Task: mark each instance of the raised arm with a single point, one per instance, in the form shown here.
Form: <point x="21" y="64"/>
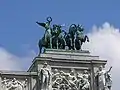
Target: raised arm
<point x="41" y="24"/>
<point x="109" y="69"/>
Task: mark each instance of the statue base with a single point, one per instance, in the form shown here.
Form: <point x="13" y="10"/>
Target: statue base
<point x="65" y="61"/>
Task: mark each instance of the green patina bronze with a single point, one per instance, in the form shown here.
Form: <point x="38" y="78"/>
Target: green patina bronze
<point x="56" y="38"/>
<point x="47" y="38"/>
<point x="80" y="37"/>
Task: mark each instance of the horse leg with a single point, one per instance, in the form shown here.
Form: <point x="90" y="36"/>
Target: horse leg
<point x="77" y="44"/>
<point x="74" y="44"/>
<point x="44" y="50"/>
<point x="50" y="42"/>
<point x="57" y="44"/>
<point x="70" y="42"/>
<point x="63" y="43"/>
<point x="40" y="47"/>
<point x="67" y="44"/>
<point x="80" y="44"/>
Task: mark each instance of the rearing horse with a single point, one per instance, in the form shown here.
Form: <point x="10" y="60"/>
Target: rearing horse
<point x="57" y="37"/>
<point x="71" y="35"/>
<point x="80" y="37"/>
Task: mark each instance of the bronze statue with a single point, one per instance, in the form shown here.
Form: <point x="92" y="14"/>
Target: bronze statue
<point x="56" y="38"/>
<point x="72" y="31"/>
<point x="80" y="37"/>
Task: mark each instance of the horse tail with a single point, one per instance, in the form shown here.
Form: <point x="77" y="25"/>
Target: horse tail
<point x="86" y="37"/>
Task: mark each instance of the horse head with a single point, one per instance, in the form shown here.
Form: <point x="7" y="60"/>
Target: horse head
<point x="80" y="27"/>
<point x="72" y="30"/>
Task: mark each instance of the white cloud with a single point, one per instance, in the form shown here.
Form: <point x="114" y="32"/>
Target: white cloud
<point x="9" y="61"/>
<point x="105" y="42"/>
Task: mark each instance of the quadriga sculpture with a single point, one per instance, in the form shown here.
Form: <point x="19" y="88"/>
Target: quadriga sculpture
<point x="56" y="38"/>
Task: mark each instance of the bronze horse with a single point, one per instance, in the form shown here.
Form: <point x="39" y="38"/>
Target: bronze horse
<point x="80" y="37"/>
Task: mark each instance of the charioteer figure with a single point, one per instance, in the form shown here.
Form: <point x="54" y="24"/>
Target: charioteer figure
<point x="44" y="77"/>
<point x="46" y="40"/>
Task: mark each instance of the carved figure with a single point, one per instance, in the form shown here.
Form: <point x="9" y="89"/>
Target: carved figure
<point x="72" y="79"/>
<point x="86" y="80"/>
<point x="108" y="79"/>
<point x="56" y="74"/>
<point x="64" y="84"/>
<point x="100" y="78"/>
<point x="85" y="83"/>
<point x="44" y="76"/>
<point x="5" y="83"/>
<point x="13" y="84"/>
<point x="86" y="75"/>
<point x="79" y="81"/>
<point x="56" y="79"/>
<point x="24" y="83"/>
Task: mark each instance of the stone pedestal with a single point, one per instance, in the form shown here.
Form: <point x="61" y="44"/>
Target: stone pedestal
<point x="66" y="60"/>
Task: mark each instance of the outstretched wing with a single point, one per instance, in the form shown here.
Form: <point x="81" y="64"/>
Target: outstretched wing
<point x="41" y="24"/>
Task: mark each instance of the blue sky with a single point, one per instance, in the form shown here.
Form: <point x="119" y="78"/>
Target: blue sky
<point x="19" y="32"/>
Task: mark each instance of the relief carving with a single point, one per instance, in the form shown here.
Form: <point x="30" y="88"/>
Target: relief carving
<point x="13" y="84"/>
<point x="70" y="81"/>
<point x="44" y="77"/>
